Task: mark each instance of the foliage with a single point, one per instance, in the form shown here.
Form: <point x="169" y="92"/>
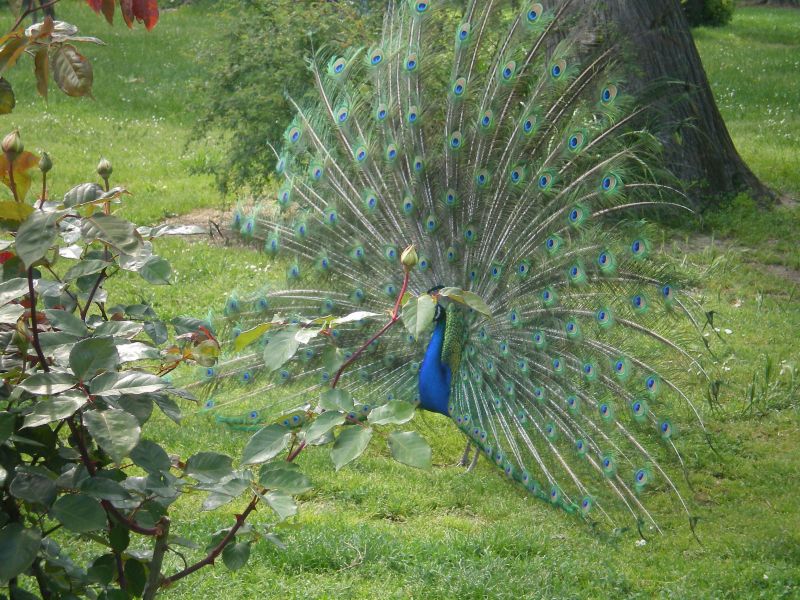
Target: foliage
<point x="258" y="62"/>
<point x="708" y="12"/>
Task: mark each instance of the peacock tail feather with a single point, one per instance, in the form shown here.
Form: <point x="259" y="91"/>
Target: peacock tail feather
<point x="503" y="146"/>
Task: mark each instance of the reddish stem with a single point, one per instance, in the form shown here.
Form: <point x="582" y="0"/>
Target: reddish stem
<point x="394" y="318"/>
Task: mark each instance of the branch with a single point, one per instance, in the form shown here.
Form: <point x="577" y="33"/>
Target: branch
<point x="31" y="10"/>
<point x="395" y="315"/>
<point x="212" y="556"/>
<point x="34" y="322"/>
<point x="161" y="547"/>
<point x="92" y="293"/>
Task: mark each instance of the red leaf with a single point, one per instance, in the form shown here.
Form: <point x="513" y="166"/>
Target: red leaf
<point x="108" y="10"/>
<point x="126" y="6"/>
<point x="95" y="5"/>
<point x="146" y="11"/>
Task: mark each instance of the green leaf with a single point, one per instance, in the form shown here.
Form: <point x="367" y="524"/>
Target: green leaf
<point x="394" y="412"/>
<point x="150" y="456"/>
<point x="126" y="329"/>
<point x="349" y="445"/>
<point x="265" y="444"/>
<point x="10" y="313"/>
<point x="209" y="467"/>
<point x="112" y="230"/>
<point x="470" y="299"/>
<point x="79" y="513"/>
<point x="83" y="193"/>
<point x="8" y="422"/>
<point x="128" y="382"/>
<point x="410" y="448"/>
<point x="282" y="504"/>
<point x="54" y="409"/>
<point x="426" y="310"/>
<point x="322" y="424"/>
<point x="136" y="576"/>
<point x="408" y="314"/>
<point x="48" y="383"/>
<point x="354" y="316"/>
<point x="282" y="346"/>
<point x="34" y="485"/>
<point x="104" y="488"/>
<point x="119" y="537"/>
<point x="169" y="407"/>
<point x="85" y="267"/>
<point x="18" y="548"/>
<point x="336" y="399"/>
<point x="235" y="555"/>
<point x="67" y="322"/>
<point x="13" y="289"/>
<point x="284" y="477"/>
<point x="332" y="359"/>
<point x="7" y="99"/>
<point x="156" y="271"/>
<point x="91" y="356"/>
<point x="246" y="338"/>
<point x="116" y="431"/>
<point x="35" y="236"/>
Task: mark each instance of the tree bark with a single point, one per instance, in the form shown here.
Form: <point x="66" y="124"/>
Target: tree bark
<point x="701" y="152"/>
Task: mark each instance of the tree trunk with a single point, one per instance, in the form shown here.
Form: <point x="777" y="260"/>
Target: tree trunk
<point x="701" y="153"/>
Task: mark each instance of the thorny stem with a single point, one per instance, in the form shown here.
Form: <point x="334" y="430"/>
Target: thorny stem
<point x="395" y="315"/>
<point x="212" y="556"/>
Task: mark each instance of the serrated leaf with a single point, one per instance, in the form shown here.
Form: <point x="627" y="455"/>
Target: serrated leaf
<point x="35" y="236"/>
<point x="332" y="359"/>
<point x="281" y="348"/>
<point x="169" y="407"/>
<point x="128" y="382"/>
<point x="265" y="444"/>
<point x="306" y="334"/>
<point x="91" y="356"/>
<point x="395" y="412"/>
<point x="103" y="488"/>
<point x="34" y="485"/>
<point x="112" y="230"/>
<point x="336" y="399"/>
<point x="79" y="513"/>
<point x="246" y="338"/>
<point x="11" y="313"/>
<point x="470" y="299"/>
<point x="284" y="477"/>
<point x="156" y="271"/>
<point x="322" y="424"/>
<point x="209" y="467"/>
<point x="14" y="212"/>
<point x="67" y="322"/>
<point x="150" y="456"/>
<point x="124" y="329"/>
<point x="116" y="431"/>
<point x="136" y="351"/>
<point x="48" y="383"/>
<point x="410" y="448"/>
<point x="72" y="71"/>
<point x="85" y="267"/>
<point x="13" y="289"/>
<point x="235" y="555"/>
<point x="54" y="409"/>
<point x="18" y="548"/>
<point x="282" y="504"/>
<point x="349" y="445"/>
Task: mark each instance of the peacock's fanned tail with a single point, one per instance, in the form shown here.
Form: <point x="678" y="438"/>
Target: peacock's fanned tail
<point x="504" y="147"/>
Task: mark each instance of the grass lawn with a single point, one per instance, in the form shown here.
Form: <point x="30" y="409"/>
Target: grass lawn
<point x="378" y="529"/>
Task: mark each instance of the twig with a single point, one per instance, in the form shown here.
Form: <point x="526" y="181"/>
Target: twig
<point x="31" y="10"/>
<point x="97" y="283"/>
<point x="34" y="323"/>
<point x="212" y="556"/>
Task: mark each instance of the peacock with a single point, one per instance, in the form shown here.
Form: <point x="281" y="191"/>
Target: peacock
<point x="461" y="221"/>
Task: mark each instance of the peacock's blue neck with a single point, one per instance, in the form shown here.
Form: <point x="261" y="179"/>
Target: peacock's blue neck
<point x="434" y="375"/>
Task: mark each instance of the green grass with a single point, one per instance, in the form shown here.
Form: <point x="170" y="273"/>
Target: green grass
<point x="378" y="529"/>
<point x="139" y="118"/>
<point x="753" y="66"/>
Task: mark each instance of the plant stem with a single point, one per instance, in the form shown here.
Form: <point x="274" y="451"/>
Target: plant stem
<point x="97" y="283"/>
<point x="30" y="11"/>
<point x="160" y="548"/>
<point x="34" y="323"/>
<point x="394" y="317"/>
<point x="212" y="556"/>
<point x="44" y="190"/>
<point x="11" y="183"/>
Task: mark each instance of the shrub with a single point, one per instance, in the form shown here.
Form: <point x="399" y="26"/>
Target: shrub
<point x="708" y="12"/>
